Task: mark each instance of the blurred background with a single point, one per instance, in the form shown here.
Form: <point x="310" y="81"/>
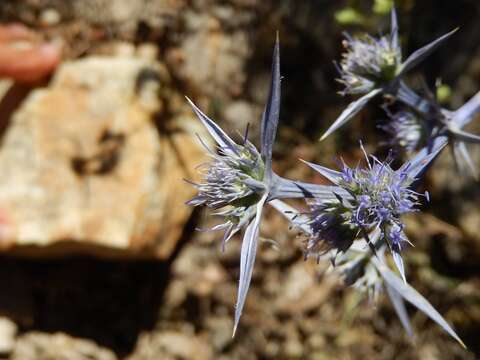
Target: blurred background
<point x="100" y="257"/>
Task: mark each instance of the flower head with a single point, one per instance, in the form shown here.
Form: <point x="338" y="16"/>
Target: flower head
<point x="239" y="181"/>
<point x="372" y="66"/>
<point x="231" y="179"/>
<point x="407" y="131"/>
<point x="373" y="199"/>
<point x="369" y="274"/>
<point x="379" y="194"/>
<point x="368" y="63"/>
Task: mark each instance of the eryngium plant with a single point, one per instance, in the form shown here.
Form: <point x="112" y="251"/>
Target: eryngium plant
<point x="368" y="63"/>
<point x="239" y="181"/>
<point x="372" y="66"/>
<point x="355" y="222"/>
<point x="374" y="199"/>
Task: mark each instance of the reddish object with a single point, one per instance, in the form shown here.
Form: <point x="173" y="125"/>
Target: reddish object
<point x="27" y="64"/>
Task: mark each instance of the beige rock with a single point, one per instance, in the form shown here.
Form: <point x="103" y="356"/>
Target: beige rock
<point x="59" y="346"/>
<point x="301" y="291"/>
<point x="103" y="11"/>
<point x="85" y="168"/>
<point x="50" y="17"/>
<point x="8" y="331"/>
<point x="172" y="345"/>
<point x="210" y="60"/>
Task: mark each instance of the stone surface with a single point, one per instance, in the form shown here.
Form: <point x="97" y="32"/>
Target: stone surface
<point x="59" y="346"/>
<point x="210" y="60"/>
<point x="171" y="345"/>
<point x="8" y="331"/>
<point x="91" y="163"/>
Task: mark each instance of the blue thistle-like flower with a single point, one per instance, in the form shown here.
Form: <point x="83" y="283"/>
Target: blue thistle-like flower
<point x="367" y="273"/>
<point x="373" y="66"/>
<point x="374" y="199"/>
<point x="240" y="181"/>
<point x="232" y="181"/>
<point x="413" y="131"/>
<point x="407" y="131"/>
<point x="232" y="178"/>
<point x="368" y="63"/>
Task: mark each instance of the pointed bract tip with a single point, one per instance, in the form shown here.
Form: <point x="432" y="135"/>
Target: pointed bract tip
<point x="192" y="104"/>
<point x="419" y="55"/>
<point x="324" y="136"/>
<point x="310" y="164"/>
<point x="393" y="18"/>
<point x="352" y="109"/>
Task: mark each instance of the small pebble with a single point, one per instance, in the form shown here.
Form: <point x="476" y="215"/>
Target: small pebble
<point x="50" y="17"/>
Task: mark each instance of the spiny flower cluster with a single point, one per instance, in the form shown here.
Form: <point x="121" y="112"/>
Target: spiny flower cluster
<point x="357" y="218"/>
<point x="368" y="62"/>
<point x="373" y="66"/>
<point x="380" y="195"/>
<point x="226" y="178"/>
<point x="406" y="131"/>
<point x="375" y="197"/>
<point x="240" y="181"/>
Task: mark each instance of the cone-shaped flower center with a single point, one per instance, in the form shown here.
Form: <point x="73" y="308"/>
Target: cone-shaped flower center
<point x="226" y="179"/>
<point x="367" y="63"/>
